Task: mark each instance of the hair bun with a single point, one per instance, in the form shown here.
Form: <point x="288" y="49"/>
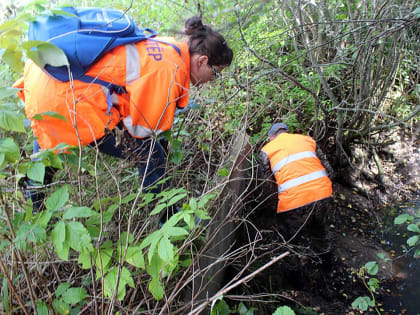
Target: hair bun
<point x="194" y="25"/>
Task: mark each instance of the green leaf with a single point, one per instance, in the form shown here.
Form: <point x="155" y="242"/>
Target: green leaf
<point x="372" y="267"/>
<point x="284" y="310"/>
<point x="62" y="288"/>
<point x="61" y="307"/>
<point x="172" y="231"/>
<point x="12" y="120"/>
<point x="158" y="208"/>
<point x="10" y="150"/>
<point x="58" y="199"/>
<point x="166" y="249"/>
<point x="402" y="218"/>
<point x="175" y="199"/>
<point x="41" y="308"/>
<point x="84" y="260"/>
<point x="156" y="288"/>
<point x="373" y="284"/>
<point x="362" y="303"/>
<point x="135" y="257"/>
<point x="5" y="296"/>
<point x="43" y="53"/>
<point x="103" y="260"/>
<point x="74" y="295"/>
<point x="36" y="172"/>
<point x="78" y="212"/>
<point x="78" y="237"/>
<point x="13" y="58"/>
<point x="223" y="172"/>
<point x="156" y="235"/>
<point x="413" y="228"/>
<point x="7" y="92"/>
<point x="416" y="12"/>
<point x="111" y="281"/>
<point x="52" y="114"/>
<point x="58" y="238"/>
<point x="413" y="240"/>
<point x="221" y="308"/>
<point x="43" y="218"/>
<point x="193" y="204"/>
<point x="31" y="233"/>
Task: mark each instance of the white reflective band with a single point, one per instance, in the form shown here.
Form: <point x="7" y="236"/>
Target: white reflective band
<point x="133" y="64"/>
<point x="301" y="180"/>
<point x="292" y="158"/>
<point x="137" y="130"/>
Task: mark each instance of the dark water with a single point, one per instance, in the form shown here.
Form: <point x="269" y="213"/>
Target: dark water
<point x="403" y="293"/>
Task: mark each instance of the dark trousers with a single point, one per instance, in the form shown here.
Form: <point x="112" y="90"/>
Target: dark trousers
<point x="148" y="154"/>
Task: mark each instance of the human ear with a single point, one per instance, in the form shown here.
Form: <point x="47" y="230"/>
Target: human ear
<point x="203" y="60"/>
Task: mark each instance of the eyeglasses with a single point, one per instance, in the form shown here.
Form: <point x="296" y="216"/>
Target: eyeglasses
<point x="216" y="74"/>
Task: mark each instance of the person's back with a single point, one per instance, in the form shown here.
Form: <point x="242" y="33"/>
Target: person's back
<point x="155" y="76"/>
<point x="292" y="171"/>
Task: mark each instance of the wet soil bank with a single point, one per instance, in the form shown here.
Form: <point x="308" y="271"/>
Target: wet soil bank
<point x="319" y="277"/>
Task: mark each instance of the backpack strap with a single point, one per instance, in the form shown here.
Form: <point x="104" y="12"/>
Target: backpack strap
<point x="112" y="88"/>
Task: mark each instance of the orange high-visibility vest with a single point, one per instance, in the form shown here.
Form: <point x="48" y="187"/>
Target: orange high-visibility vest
<point x="156" y="78"/>
<point x="300" y="175"/>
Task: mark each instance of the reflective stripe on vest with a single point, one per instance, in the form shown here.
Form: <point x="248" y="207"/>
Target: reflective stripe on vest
<point x="292" y="158"/>
<point x="139" y="131"/>
<point x="301" y="180"/>
<point x="133" y="64"/>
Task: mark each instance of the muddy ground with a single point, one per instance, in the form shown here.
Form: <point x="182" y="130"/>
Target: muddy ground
<point x="319" y="277"/>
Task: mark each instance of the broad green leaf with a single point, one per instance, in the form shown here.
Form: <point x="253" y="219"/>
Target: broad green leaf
<point x="155" y="266"/>
<point x="193" y="204"/>
<point x="31" y="233"/>
<point x="51" y="114"/>
<point x="362" y="303"/>
<point x="416" y="12"/>
<point x="74" y="295"/>
<point x="156" y="235"/>
<point x="373" y="283"/>
<point x="58" y="238"/>
<point x="78" y="212"/>
<point x="62" y="288"/>
<point x="2" y="158"/>
<point x="41" y="308"/>
<point x="158" y="208"/>
<point x="13" y="58"/>
<point x="7" y="92"/>
<point x="135" y="257"/>
<point x="103" y="260"/>
<point x="372" y="267"/>
<point x="166" y="249"/>
<point x="402" y="218"/>
<point x="173" y="231"/>
<point x="78" y="237"/>
<point x="413" y="240"/>
<point x="12" y="120"/>
<point x="111" y="281"/>
<point x="61" y="307"/>
<point x="223" y="172"/>
<point x="413" y="228"/>
<point x="10" y="150"/>
<point x="128" y="198"/>
<point x="221" y="308"/>
<point x="156" y="288"/>
<point x="43" y="218"/>
<point x="44" y="53"/>
<point x="36" y="172"/>
<point x="58" y="199"/>
<point x="175" y="199"/>
<point x="284" y="310"/>
<point x="84" y="259"/>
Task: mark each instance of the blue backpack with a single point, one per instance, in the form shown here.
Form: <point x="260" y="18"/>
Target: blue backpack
<point x="85" y="35"/>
